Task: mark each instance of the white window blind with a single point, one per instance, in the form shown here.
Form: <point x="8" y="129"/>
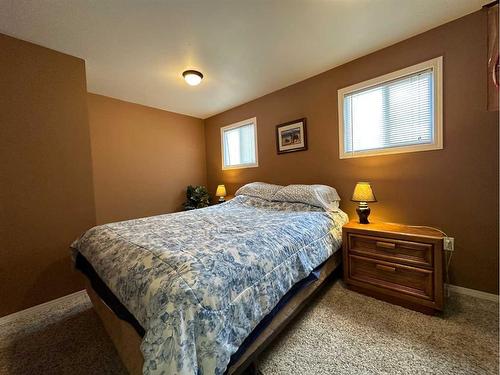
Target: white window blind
<point x="395" y="115"/>
<point x="239" y="145"/>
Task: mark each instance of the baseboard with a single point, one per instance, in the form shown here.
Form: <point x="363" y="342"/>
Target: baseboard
<point x="35" y="309"/>
<point x="472" y="292"/>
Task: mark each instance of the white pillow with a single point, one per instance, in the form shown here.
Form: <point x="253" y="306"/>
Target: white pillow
<point x="259" y="190"/>
<point x="315" y="195"/>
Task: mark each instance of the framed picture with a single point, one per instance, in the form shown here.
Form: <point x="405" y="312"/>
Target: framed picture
<point x="291" y="136"/>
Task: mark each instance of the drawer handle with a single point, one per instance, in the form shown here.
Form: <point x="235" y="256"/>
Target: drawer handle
<point x="386" y="245"/>
<point x="385" y="268"/>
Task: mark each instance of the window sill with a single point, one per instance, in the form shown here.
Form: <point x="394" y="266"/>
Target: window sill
<point x="398" y="150"/>
<point x="241" y="166"/>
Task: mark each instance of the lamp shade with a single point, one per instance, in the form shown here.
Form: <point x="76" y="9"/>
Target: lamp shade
<point x="363" y="193"/>
<point x="221" y="191"/>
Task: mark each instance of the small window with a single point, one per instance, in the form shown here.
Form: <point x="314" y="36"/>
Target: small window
<point x="239" y="145"/>
<point x="398" y="112"/>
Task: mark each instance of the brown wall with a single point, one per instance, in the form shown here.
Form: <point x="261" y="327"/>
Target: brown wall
<point x="455" y="189"/>
<point x="143" y="158"/>
<point x="46" y="197"/>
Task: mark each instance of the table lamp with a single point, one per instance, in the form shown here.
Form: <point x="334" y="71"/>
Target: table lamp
<point x="221" y="193"/>
<point x="363" y="194"/>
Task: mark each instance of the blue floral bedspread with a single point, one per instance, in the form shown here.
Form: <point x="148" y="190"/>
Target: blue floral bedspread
<point x="200" y="281"/>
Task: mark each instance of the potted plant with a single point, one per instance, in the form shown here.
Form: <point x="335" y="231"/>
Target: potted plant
<point x="197" y="197"/>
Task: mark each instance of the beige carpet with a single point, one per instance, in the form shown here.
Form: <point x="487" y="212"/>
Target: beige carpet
<point x="341" y="332"/>
<point x="344" y="332"/>
<point x="66" y="340"/>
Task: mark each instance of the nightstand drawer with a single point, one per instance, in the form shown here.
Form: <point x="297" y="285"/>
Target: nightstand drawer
<point x="411" y="253"/>
<point x="404" y="279"/>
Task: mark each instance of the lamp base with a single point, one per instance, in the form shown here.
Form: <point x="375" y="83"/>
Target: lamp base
<point x="221" y="199"/>
<point x="363" y="214"/>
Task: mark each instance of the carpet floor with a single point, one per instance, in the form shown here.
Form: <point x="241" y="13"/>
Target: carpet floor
<point x="340" y="332"/>
<point x="344" y="332"/>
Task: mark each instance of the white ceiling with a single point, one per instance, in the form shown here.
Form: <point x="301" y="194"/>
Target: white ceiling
<point x="136" y="50"/>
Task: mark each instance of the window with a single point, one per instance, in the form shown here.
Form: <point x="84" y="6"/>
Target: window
<point x="398" y="112"/>
<point x="239" y="145"/>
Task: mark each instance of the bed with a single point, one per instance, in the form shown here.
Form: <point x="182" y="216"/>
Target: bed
<point x="200" y="283"/>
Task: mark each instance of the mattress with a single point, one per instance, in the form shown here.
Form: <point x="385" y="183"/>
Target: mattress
<point x="199" y="282"/>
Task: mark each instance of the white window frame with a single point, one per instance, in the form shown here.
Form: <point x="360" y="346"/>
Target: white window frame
<point x="436" y="65"/>
<point x="239" y="124"/>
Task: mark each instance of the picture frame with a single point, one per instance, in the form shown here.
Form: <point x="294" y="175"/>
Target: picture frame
<point x="291" y="136"/>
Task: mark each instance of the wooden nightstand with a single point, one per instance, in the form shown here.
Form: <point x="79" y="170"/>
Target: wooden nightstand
<point x="397" y="263"/>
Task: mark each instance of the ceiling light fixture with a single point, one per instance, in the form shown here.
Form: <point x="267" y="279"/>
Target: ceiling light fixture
<point x="192" y="77"/>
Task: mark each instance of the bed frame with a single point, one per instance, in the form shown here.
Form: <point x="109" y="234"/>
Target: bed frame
<point x="127" y="341"/>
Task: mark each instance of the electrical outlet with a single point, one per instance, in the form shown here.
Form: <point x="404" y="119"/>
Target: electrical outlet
<point x="448" y="243"/>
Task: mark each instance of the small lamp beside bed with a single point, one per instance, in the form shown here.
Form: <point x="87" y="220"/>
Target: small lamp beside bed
<point x="363" y="194"/>
<point x="221" y="193"/>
